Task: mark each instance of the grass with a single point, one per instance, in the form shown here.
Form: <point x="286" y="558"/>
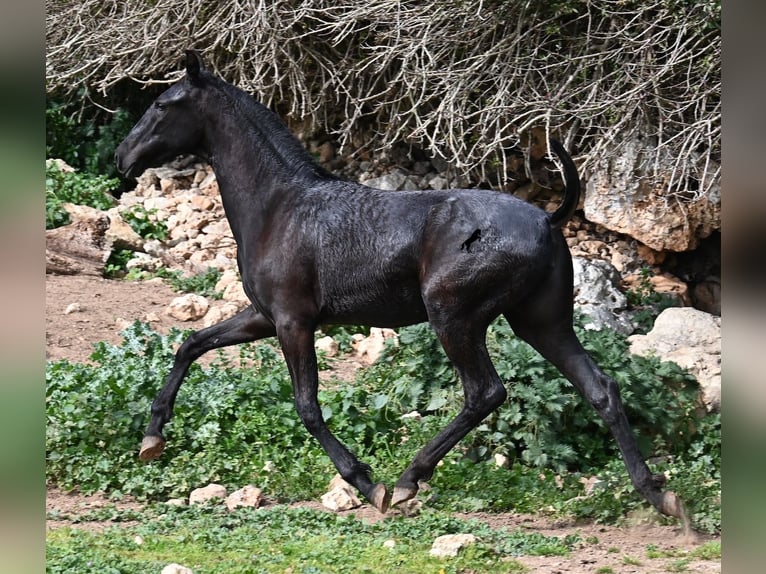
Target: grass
<point x="279" y="539"/>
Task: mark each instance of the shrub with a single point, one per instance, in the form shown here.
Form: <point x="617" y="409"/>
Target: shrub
<point x="203" y="283"/>
<point x="228" y="424"/>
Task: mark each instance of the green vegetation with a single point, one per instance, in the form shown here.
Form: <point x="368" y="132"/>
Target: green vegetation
<point x="72" y="187"/>
<point x="236" y="425"/>
<point x="145" y="222"/>
<point x="646" y="303"/>
<point x="277" y="539"/>
<point x="203" y="283"/>
<point x="84" y="135"/>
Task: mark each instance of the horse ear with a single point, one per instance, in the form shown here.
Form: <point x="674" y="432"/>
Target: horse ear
<point x="194" y="64"/>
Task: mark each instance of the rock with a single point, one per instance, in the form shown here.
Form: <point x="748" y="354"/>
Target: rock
<point x="62" y="166"/>
<point x="390" y="182"/>
<point x="220" y="313"/>
<point x="72" y="308"/>
<point x="691" y="339"/>
<point x="449" y="545"/>
<point x="341" y="496"/>
<point x="370" y="348"/>
<point x="207" y="493"/>
<point x="80" y="248"/>
<point x="328" y="345"/>
<point x="596" y="295"/>
<point x="246" y="496"/>
<point x="668" y="285"/>
<point x="174" y="568"/>
<point x="438" y="182"/>
<point x="235" y="293"/>
<point x="144" y="262"/>
<point x="176" y="502"/>
<point x="188" y="307"/>
<point x="621" y="196"/>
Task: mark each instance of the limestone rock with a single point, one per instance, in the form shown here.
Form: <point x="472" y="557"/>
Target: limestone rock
<point x="328" y="345"/>
<point x="246" y="496"/>
<point x="122" y="234"/>
<point x="390" y="182"/>
<point x="597" y="295"/>
<point x="691" y="339"/>
<point x="188" y="307"/>
<point x="207" y="493"/>
<point x="80" y="248"/>
<point x="370" y="348"/>
<point x="220" y="313"/>
<point x="449" y="545"/>
<point x="174" y="568"/>
<point x="341" y="496"/>
<point x="621" y="196"/>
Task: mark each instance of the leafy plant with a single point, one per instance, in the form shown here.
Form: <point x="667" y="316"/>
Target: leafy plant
<point x="645" y="303"/>
<point x="145" y="222"/>
<point x="203" y="283"/>
<point x="237" y="425"/>
<point x="72" y="187"/>
<point x="545" y="422"/>
<point x="228" y="422"/>
<point x="84" y="136"/>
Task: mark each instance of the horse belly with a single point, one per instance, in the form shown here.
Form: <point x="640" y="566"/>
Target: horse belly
<point x="376" y="304"/>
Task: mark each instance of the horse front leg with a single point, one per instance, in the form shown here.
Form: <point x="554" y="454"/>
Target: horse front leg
<point x="297" y="342"/>
<point x="246" y="326"/>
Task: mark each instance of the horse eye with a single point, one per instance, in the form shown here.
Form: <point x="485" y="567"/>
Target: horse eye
<point x="160" y="105"/>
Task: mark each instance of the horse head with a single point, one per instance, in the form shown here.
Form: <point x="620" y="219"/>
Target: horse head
<point x="170" y="127"/>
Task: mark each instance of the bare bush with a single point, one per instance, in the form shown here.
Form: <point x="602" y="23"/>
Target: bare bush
<point x="465" y="80"/>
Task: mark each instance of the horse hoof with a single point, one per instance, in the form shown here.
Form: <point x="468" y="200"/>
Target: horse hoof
<point x="402" y="494"/>
<point x="151" y="447"/>
<point x="671" y="505"/>
<point x="380" y="498"/>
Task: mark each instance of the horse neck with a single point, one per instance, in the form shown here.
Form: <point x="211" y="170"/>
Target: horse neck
<point x="253" y="167"/>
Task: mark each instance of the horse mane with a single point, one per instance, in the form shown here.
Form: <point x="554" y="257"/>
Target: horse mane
<point x="270" y="131"/>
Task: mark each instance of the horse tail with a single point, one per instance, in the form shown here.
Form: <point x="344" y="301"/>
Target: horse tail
<point x="571" y="186"/>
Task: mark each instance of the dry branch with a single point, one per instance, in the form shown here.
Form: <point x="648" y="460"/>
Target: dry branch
<point x="463" y="79"/>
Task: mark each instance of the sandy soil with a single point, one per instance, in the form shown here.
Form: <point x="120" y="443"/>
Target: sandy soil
<point x="81" y="311"/>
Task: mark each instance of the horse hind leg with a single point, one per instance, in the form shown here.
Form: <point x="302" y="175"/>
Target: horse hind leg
<point x="246" y="326"/>
<point x="483" y="393"/>
<point x="561" y="347"/>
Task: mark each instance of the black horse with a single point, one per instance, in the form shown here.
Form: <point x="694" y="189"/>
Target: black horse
<point x="314" y="249"/>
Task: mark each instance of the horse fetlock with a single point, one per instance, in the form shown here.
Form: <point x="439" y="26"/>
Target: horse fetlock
<point x="671" y="505"/>
<point x="659" y="480"/>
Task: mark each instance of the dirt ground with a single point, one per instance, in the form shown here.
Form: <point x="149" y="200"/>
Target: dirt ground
<point x="81" y="311"/>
